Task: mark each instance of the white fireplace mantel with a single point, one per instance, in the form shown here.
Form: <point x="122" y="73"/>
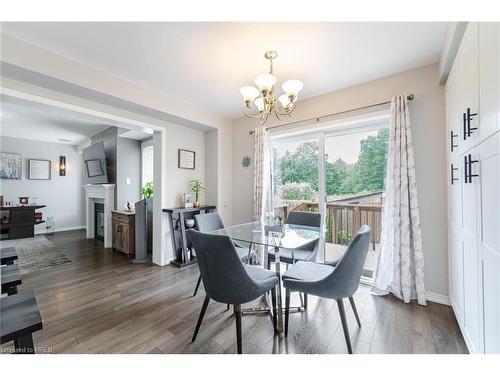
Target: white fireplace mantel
<point x="104" y="193"/>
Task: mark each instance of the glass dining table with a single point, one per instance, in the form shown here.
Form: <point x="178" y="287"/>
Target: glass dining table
<point x="287" y="236"/>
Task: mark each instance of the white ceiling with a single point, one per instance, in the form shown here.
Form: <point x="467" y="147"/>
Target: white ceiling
<point x="49" y="124"/>
<point x="205" y="64"/>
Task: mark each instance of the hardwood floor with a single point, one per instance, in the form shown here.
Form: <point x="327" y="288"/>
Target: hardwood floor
<point x="101" y="303"/>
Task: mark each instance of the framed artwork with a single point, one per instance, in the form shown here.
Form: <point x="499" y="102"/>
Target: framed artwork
<point x="11" y="166"/>
<point x="186" y="159"/>
<point x="94" y="167"/>
<point x="39" y="169"/>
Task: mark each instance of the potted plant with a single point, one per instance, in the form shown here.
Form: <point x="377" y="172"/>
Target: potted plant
<point x="147" y="190"/>
<point x="147" y="193"/>
<point x="197" y="187"/>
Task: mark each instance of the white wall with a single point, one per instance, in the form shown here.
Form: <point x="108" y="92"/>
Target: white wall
<point x="63" y="195"/>
<point x="177" y="178"/>
<point x="211" y="175"/>
<point x="427" y="114"/>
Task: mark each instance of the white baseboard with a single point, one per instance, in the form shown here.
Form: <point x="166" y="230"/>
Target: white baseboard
<point x="438" y="298"/>
<point x="64" y="229"/>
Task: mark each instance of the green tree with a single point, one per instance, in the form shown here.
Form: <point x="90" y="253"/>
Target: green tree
<point x="367" y="174"/>
<point x="301" y="165"/>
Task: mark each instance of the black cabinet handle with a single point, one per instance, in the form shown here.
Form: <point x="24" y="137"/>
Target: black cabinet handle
<point x="465" y="125"/>
<point x="468" y="168"/>
<point x="469" y="117"/>
<point x="452" y="169"/>
<point x="453" y="145"/>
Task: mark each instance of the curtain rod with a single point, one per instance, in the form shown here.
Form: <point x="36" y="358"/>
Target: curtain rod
<point x="318" y="119"/>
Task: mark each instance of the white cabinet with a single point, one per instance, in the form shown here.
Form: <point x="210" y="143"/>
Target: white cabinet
<point x="473" y="110"/>
<point x="469" y="106"/>
<point x="489" y="78"/>
<point x="489" y="238"/>
<point x="472" y="291"/>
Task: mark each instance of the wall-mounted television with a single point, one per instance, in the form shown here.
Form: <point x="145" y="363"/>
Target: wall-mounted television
<point x="94" y="168"/>
<point x="95" y="163"/>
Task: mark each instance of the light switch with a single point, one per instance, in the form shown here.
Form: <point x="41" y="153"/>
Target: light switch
<point x="128" y="180"/>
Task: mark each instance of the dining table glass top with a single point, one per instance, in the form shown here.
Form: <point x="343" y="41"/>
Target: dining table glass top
<point x="287" y="236"/>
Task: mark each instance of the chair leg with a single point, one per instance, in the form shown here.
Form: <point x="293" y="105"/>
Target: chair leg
<point x="305" y="301"/>
<point x="340" y="303"/>
<point x="355" y="311"/>
<point x="275" y="310"/>
<point x="237" y="311"/>
<point x="200" y="318"/>
<point x="197" y="286"/>
<point x="227" y="308"/>
<point x="287" y="309"/>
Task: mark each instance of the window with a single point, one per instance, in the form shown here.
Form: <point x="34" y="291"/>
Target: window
<point x="147" y="164"/>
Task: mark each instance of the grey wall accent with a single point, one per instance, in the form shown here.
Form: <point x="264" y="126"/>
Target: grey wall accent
<point x="128" y="165"/>
<point x="108" y="137"/>
<point x="63" y="195"/>
<point x="95" y="152"/>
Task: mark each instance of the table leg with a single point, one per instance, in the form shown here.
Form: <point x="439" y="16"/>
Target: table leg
<point x="278" y="295"/>
<point x="24" y="344"/>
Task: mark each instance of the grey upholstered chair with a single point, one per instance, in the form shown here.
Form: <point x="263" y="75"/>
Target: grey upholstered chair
<point x="326" y="281"/>
<point x="227" y="280"/>
<point x="210" y="222"/>
<point x="307" y="252"/>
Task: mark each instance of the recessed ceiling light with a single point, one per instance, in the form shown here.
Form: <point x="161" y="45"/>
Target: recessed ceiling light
<point x="63" y="140"/>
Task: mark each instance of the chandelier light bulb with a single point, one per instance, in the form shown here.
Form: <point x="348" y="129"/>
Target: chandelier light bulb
<point x="265" y="82"/>
<point x="292" y="87"/>
<point x="285" y="101"/>
<point x="259" y="102"/>
<point x="249" y="94"/>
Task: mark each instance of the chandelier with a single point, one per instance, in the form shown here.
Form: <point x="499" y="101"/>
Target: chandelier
<point x="263" y="100"/>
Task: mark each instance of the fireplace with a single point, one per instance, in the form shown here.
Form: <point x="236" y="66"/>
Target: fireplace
<point x="105" y="195"/>
<point x="99" y="221"/>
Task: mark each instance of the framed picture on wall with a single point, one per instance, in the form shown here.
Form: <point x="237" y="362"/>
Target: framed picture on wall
<point x="11" y="166"/>
<point x="186" y="159"/>
<point x="39" y="169"/>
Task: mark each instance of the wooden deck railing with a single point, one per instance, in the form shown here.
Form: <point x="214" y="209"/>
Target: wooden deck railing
<point x="344" y="219"/>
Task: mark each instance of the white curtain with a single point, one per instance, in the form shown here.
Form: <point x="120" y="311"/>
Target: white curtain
<point x="262" y="194"/>
<point x="400" y="268"/>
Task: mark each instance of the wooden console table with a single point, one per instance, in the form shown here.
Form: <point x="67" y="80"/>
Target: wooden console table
<point x="21" y="221"/>
<point x="180" y="241"/>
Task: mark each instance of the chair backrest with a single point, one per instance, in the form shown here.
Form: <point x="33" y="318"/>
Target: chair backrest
<point x="344" y="280"/>
<point x="224" y="277"/>
<point x="208" y="222"/>
<point x="310" y="219"/>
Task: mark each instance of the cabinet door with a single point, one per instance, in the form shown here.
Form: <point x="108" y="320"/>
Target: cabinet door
<point x="489" y="239"/>
<point x="468" y="60"/>
<point x="470" y="258"/>
<point x="456" y="260"/>
<point x="454" y="109"/>
<point x="489" y="78"/>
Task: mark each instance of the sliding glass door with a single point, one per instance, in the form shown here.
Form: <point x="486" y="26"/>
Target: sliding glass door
<point x="340" y="173"/>
<point x="355" y="167"/>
